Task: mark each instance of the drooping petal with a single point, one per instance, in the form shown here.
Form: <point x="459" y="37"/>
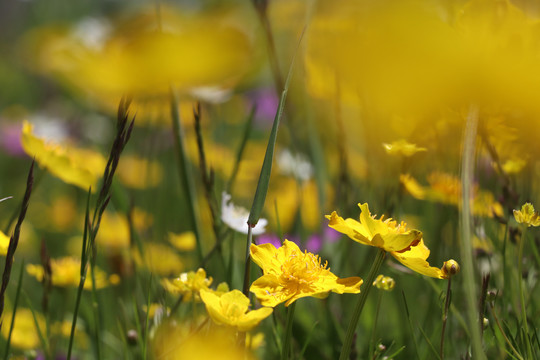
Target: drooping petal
<point x="416" y="259"/>
<point x="253" y="318"/>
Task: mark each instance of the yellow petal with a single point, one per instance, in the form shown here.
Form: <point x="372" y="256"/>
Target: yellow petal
<point x="264" y="255"/>
<point x="268" y="290"/>
<point x="253" y="318"/>
<point x="416" y="259"/>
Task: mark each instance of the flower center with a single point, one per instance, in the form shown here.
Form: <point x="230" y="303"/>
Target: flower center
<point x="301" y="270"/>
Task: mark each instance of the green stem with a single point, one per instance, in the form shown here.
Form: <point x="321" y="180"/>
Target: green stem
<point x="286" y="350"/>
<point x="347" y="344"/>
<point x="522" y="295"/>
<point x="467" y="166"/>
<point x="445" y="315"/>
<point x="247" y="269"/>
<point x="508" y="342"/>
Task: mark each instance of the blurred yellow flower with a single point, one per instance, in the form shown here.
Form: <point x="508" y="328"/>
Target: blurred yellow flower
<point x="25" y="335"/>
<point x="159" y="259"/>
<point x="513" y="166"/>
<point x="290" y="274"/>
<point x="188" y="284"/>
<point x="407" y="246"/>
<point x="79" y="167"/>
<point x="113" y="233"/>
<point x="184" y="242"/>
<point x="384" y="283"/>
<point x="402" y="147"/>
<point x="4" y="243"/>
<point x="527" y="215"/>
<point x="139" y="173"/>
<point x="174" y="342"/>
<point x="446" y="189"/>
<point x="66" y="273"/>
<point x="232" y="309"/>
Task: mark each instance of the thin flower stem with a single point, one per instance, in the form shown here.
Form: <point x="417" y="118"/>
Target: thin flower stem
<point x="286" y="350"/>
<point x="522" y="295"/>
<point x="467" y="167"/>
<point x="445" y="315"/>
<point x="347" y="344"/>
<point x="247" y="268"/>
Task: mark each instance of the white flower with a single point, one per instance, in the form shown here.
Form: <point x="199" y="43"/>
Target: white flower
<point x="236" y="217"/>
<point x="296" y="165"/>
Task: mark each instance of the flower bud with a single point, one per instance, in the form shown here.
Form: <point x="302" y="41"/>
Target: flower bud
<point x="384" y="283"/>
<point x="450" y="268"/>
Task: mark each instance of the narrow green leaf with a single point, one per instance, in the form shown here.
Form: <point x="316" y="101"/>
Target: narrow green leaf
<point x="12" y="324"/>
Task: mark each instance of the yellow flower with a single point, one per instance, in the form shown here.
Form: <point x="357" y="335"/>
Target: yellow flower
<point x="25" y="334"/>
<point x="232" y="309"/>
<point x="113" y="232"/>
<point x="4" y="243"/>
<point x="290" y="274"/>
<point x="407" y="246"/>
<point x="66" y="273"/>
<point x="139" y="173"/>
<point x="450" y="267"/>
<point x="527" y="215"/>
<point x="384" y="283"/>
<point x="184" y="242"/>
<point x="159" y="259"/>
<point x="188" y="284"/>
<point x="402" y="147"/>
<point x="79" y="167"/>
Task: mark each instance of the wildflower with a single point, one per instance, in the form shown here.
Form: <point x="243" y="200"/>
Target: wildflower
<point x="527" y="215"/>
<point x="402" y="147"/>
<point x="4" y="243"/>
<point x="296" y="165"/>
<point x="139" y="173"/>
<point x="159" y="259"/>
<point x="78" y="167"/>
<point x="407" y="246"/>
<point x="25" y="334"/>
<point x="384" y="283"/>
<point x="289" y="274"/>
<point x="450" y="267"/>
<point x="66" y="272"/>
<point x="236" y="217"/>
<point x="188" y="284"/>
<point x="184" y="242"/>
<point x="231" y="309"/>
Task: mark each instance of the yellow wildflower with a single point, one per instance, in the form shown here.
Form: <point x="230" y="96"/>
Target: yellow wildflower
<point x="407" y="246"/>
<point x="184" y="242"/>
<point x="25" y="335"/>
<point x="4" y="243"/>
<point x="232" y="309"/>
<point x="113" y="232"/>
<point x="384" y="283"/>
<point x="513" y="166"/>
<point x="79" y="167"/>
<point x="527" y="215"/>
<point x="290" y="274"/>
<point x="139" y="173"/>
<point x="159" y="259"/>
<point x="188" y="284"/>
<point x="402" y="147"/>
<point x="66" y="273"/>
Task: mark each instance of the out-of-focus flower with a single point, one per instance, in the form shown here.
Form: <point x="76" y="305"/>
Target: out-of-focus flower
<point x="159" y="259"/>
<point x="113" y="233"/>
<point x="25" y="334"/>
<point x="384" y="283"/>
<point x="254" y="341"/>
<point x="10" y="139"/>
<point x="527" y="215"/>
<point x="236" y="217"/>
<point x="174" y="342"/>
<point x="185" y="241"/>
<point x="66" y="272"/>
<point x="407" y="246"/>
<point x="138" y="173"/>
<point x="295" y="165"/>
<point x="144" y="56"/>
<point x="513" y="166"/>
<point x="266" y="102"/>
<point x="402" y="147"/>
<point x="188" y="284"/>
<point x="4" y="243"/>
<point x="269" y="239"/>
<point x="232" y="309"/>
<point x="290" y="274"/>
<point x="79" y="167"/>
<point x="157" y="310"/>
<point x="446" y="189"/>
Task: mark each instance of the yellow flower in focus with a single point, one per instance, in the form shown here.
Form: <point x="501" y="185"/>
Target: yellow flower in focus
<point x="159" y="259"/>
<point x="402" y="147"/>
<point x="527" y="215"/>
<point x="407" y="246"/>
<point x="384" y="283"/>
<point x="138" y="173"/>
<point x="4" y="243"/>
<point x="185" y="241"/>
<point x="232" y="309"/>
<point x="25" y="335"/>
<point x="174" y="342"/>
<point x="66" y="273"/>
<point x="290" y="274"/>
<point x="188" y="284"/>
<point x="78" y="167"/>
